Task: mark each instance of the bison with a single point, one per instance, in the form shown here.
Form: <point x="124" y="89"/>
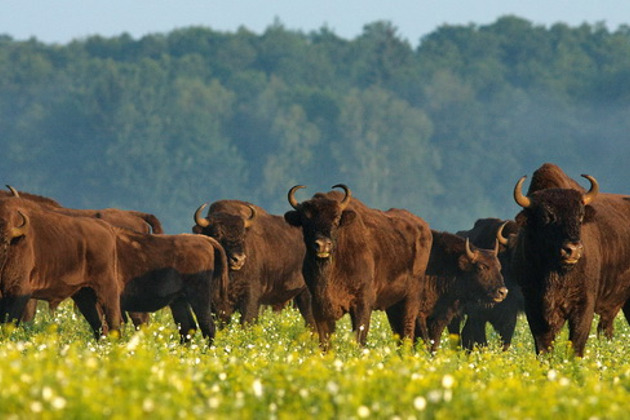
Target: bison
<point x="456" y="275"/>
<point x="265" y="255"/>
<point x="128" y="219"/>
<point x="50" y="256"/>
<point x="503" y="315"/>
<point x="571" y="259"/>
<point x="359" y="259"/>
<point x="180" y="271"/>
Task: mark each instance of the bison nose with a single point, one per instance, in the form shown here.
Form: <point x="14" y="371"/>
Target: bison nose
<point x="500" y="294"/>
<point x="236" y="261"/>
<point x="571" y="252"/>
<point x="323" y="247"/>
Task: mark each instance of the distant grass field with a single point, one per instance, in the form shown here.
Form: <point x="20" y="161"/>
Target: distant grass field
<point x="53" y="369"/>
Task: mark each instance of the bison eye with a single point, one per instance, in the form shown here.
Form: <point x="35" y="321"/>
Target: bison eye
<point x="482" y="267"/>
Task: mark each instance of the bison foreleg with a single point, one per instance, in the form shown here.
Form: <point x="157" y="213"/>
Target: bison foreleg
<point x="85" y="299"/>
<point x="304" y="305"/>
<point x="579" y="329"/>
<point x="360" y="316"/>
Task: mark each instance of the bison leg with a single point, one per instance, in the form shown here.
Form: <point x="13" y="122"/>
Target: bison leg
<point x="30" y="309"/>
<point x="360" y="316"/>
<point x="422" y="330"/>
<point x="303" y="303"/>
<point x="203" y="311"/>
<point x="85" y="299"/>
<point x="184" y="319"/>
<point x="474" y="331"/>
<point x="396" y="319"/>
<point x="505" y="324"/>
<point x="109" y="300"/>
<point x="12" y="308"/>
<point x="325" y="328"/>
<point x="249" y="309"/>
<point x="579" y="328"/>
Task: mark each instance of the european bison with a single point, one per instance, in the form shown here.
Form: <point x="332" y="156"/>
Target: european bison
<point x="456" y="275"/>
<point x="503" y="315"/>
<point x="572" y="260"/>
<point x="265" y="256"/>
<point x="50" y="256"/>
<point x="360" y="259"/>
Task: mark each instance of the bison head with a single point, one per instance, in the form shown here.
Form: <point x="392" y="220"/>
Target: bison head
<point x="320" y="219"/>
<point x="482" y="279"/>
<point x="229" y="230"/>
<point x="552" y="219"/>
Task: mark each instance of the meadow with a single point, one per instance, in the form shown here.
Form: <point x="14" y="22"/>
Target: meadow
<point x="53" y="369"/>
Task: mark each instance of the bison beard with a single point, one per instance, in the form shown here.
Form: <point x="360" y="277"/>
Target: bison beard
<point x="360" y="259"/>
<point x="572" y="260"/>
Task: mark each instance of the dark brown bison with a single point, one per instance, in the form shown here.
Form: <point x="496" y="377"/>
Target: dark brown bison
<point x="572" y="260"/>
<point x="50" y="256"/>
<point x="265" y="256"/>
<point x="457" y="275"/>
<point x="182" y="271"/>
<point x="503" y="315"/>
<point x="360" y="259"/>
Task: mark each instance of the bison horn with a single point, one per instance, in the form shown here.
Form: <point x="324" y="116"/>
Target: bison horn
<point x="199" y="219"/>
<point x="520" y="199"/>
<point x="291" y="196"/>
<point x="13" y="191"/>
<point x="500" y="238"/>
<point x="472" y="256"/>
<point x="18" y="231"/>
<point x="346" y="200"/>
<point x="592" y="193"/>
<point x="250" y="220"/>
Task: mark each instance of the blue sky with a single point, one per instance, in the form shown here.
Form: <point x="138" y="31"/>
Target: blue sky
<point x="59" y="21"/>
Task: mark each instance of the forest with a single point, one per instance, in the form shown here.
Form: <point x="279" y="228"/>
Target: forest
<point x="444" y="129"/>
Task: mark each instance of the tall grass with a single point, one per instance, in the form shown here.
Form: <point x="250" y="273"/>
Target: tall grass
<point x="274" y="369"/>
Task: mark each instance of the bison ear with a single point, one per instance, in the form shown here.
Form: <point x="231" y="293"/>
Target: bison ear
<point x="589" y="214"/>
<point x="347" y="217"/>
<point x="293" y="218"/>
<point x="521" y="219"/>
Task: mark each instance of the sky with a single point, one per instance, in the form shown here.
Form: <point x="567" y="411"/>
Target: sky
<point x="60" y="21"/>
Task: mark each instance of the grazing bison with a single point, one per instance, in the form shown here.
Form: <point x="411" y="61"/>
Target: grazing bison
<point x="503" y="315"/>
<point x="360" y="259"/>
<point x="572" y="260"/>
<point x="265" y="256"/>
<point x="456" y="276"/>
<point x="50" y="256"/>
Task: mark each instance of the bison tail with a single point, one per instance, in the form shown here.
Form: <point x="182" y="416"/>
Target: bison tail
<point x="221" y="269"/>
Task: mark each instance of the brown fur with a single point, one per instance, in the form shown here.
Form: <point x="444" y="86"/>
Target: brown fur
<point x="453" y="280"/>
<point x="179" y="271"/>
<point x="377" y="259"/>
<point x="503" y="315"/>
<point x="598" y="283"/>
<point x="56" y="256"/>
<point x="272" y="252"/>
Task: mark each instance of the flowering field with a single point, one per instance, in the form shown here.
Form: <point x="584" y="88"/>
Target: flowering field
<point x="54" y="369"/>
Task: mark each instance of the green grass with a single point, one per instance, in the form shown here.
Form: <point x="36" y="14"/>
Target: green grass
<point x="54" y="369"/>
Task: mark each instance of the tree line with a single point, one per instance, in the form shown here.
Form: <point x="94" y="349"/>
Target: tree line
<point x="168" y="121"/>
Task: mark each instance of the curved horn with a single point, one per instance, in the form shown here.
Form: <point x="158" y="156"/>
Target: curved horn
<point x="592" y="193"/>
<point x="520" y="199"/>
<point x="472" y="256"/>
<point x="13" y="191"/>
<point x="500" y="238"/>
<point x="291" y="197"/>
<point x="346" y="200"/>
<point x="250" y="220"/>
<point x="18" y="231"/>
<point x="199" y="219"/>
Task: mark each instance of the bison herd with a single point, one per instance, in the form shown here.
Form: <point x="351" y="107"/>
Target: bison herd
<point x="564" y="258"/>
